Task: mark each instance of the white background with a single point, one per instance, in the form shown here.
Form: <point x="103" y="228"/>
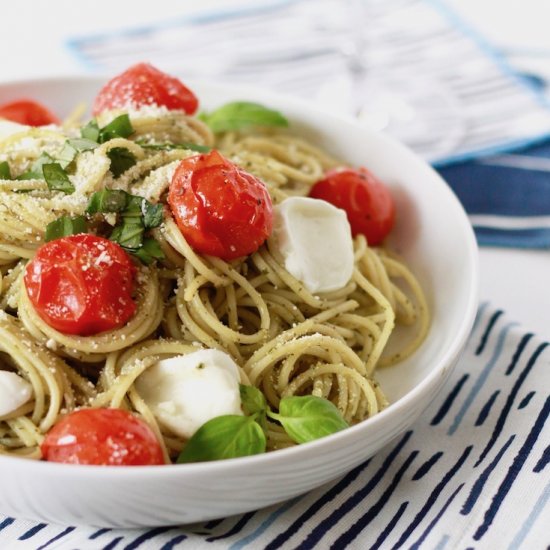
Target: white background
<point x="33" y="43"/>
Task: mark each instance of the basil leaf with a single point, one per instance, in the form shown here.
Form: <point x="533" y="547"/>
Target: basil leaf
<point x="90" y="131"/>
<point x="241" y="114"/>
<point x="170" y="146"/>
<point x="153" y="214"/>
<point x="82" y="144"/>
<point x="121" y="159"/>
<point x="118" y="127"/>
<point x="149" y="252"/>
<point x="228" y="436"/>
<point x="108" y="200"/>
<point x="128" y="235"/>
<point x="65" y="225"/>
<point x="5" y="172"/>
<point x="35" y="172"/>
<point x="57" y="178"/>
<point x="253" y="400"/>
<point x="66" y="156"/>
<point x="306" y="418"/>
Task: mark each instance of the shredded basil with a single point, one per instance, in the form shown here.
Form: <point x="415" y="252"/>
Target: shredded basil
<point x="121" y="159"/>
<point x="242" y="114"/>
<point x="90" y="131"/>
<point x="5" y="172"/>
<point x="64" y="226"/>
<point x="118" y="127"/>
<point x="35" y="172"/>
<point x="149" y="251"/>
<point x="57" y="178"/>
<point x="108" y="200"/>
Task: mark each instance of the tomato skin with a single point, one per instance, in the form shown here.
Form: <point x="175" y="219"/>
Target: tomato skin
<point x="366" y="200"/>
<point x="81" y="284"/>
<point x="142" y="84"/>
<point x="29" y="112"/>
<point x="102" y="437"/>
<point x="220" y="209"/>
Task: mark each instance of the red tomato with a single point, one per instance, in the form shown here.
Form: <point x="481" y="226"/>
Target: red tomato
<point x="366" y="200"/>
<point x="102" y="437"/>
<point x="81" y="284"/>
<point x="220" y="209"/>
<point x="143" y="84"/>
<point x="29" y="112"/>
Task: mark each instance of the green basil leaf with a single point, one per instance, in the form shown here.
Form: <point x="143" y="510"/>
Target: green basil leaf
<point x="64" y="226"/>
<point x="118" y="127"/>
<point x="121" y="159"/>
<point x="82" y="144"/>
<point x="306" y="418"/>
<point x="149" y="251"/>
<point x="170" y="146"/>
<point x="107" y="200"/>
<point x="90" y="131"/>
<point x="5" y="172"/>
<point x="228" y="436"/>
<point x="66" y="156"/>
<point x="35" y="172"/>
<point x="253" y="400"/>
<point x="128" y="235"/>
<point x="242" y="114"/>
<point x="153" y="214"/>
<point x="57" y="178"/>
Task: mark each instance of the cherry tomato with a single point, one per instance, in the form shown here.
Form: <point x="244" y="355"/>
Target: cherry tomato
<point x="220" y="209"/>
<point x="366" y="200"/>
<point x="81" y="284"/>
<point x="143" y="84"/>
<point x="102" y="437"/>
<point x="29" y="112"/>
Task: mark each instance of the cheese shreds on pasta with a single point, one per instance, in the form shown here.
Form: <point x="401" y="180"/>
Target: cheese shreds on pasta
<point x="285" y="340"/>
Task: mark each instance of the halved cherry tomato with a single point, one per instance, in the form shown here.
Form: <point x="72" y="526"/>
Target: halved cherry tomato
<point x="366" y="200"/>
<point x="81" y="284"/>
<point x="143" y="84"/>
<point x="29" y="112"/>
<point x="220" y="209"/>
<point x="102" y="437"/>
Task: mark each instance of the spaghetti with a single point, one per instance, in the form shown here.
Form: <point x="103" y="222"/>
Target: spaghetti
<point x="285" y="339"/>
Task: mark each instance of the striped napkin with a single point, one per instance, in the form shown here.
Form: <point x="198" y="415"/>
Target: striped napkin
<point x="472" y="472"/>
<point x="507" y="196"/>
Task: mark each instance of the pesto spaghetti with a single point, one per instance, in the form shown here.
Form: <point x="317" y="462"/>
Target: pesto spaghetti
<point x="242" y="298"/>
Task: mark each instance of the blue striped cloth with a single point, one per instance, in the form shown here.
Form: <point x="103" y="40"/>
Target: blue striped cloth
<point x="472" y="472"/>
<point x="507" y="196"/>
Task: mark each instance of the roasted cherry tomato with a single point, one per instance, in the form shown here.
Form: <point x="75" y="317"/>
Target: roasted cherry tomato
<point x="103" y="437"/>
<point x="220" y="209"/>
<point x="143" y="84"/>
<point x="29" y="112"/>
<point x="366" y="200"/>
<point x="81" y="284"/>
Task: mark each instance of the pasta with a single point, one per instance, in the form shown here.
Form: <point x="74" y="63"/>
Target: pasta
<point x="285" y="339"/>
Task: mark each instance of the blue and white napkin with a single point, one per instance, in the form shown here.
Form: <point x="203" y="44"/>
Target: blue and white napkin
<point x="472" y="472"/>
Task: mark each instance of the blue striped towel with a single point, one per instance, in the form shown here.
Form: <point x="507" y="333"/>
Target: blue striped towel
<point x="507" y="196"/>
<point x="472" y="472"/>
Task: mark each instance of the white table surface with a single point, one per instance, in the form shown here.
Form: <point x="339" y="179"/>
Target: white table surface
<point x="33" y="44"/>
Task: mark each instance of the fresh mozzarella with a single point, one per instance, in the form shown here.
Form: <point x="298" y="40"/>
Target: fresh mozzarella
<point x="186" y="391"/>
<point x="14" y="392"/>
<point x="8" y="128"/>
<point x="314" y="238"/>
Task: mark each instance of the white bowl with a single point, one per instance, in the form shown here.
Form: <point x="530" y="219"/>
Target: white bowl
<point x="432" y="233"/>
